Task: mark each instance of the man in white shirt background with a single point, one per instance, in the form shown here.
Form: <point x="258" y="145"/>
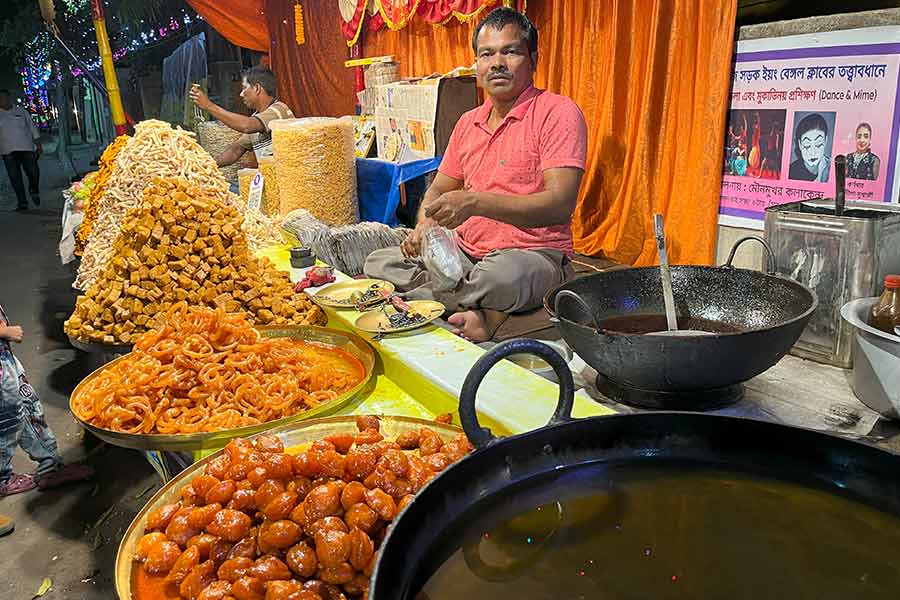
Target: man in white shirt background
<point x="20" y="145"/>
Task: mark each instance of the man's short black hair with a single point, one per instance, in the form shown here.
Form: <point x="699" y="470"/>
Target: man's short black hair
<point x="503" y="16"/>
<point x="263" y="77"/>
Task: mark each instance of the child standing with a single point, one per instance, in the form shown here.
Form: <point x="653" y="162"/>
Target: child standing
<point x="22" y="423"/>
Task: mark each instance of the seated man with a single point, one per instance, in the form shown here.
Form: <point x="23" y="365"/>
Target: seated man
<point x="508" y="184"/>
<point x="258" y="89"/>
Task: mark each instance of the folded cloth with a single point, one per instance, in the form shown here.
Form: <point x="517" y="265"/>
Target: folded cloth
<point x="315" y="277"/>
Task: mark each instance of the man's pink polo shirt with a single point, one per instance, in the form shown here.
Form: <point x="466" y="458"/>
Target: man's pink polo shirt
<point x="542" y="131"/>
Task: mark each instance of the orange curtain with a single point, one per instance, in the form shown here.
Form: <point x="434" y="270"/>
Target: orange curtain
<point x="312" y="79"/>
<point x="652" y="79"/>
<point x="241" y="22"/>
<point x="422" y="48"/>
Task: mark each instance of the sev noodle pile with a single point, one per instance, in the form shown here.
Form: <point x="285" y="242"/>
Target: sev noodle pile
<point x="271" y="200"/>
<point x="208" y="370"/>
<point x="261" y="231"/>
<point x="316" y="168"/>
<point x="105" y="169"/>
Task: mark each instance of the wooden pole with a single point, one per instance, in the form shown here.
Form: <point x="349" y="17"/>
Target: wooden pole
<point x="359" y="74"/>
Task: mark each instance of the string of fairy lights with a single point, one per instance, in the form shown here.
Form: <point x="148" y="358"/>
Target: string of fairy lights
<point x="129" y="41"/>
<point x="39" y="71"/>
<point x="36" y="73"/>
<point x="75" y="6"/>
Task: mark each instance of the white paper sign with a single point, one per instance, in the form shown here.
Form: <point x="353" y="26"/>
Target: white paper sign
<point x="254" y="198"/>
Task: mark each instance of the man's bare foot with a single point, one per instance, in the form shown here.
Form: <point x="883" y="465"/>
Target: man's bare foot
<point x="477" y="325"/>
<point x="470" y="325"/>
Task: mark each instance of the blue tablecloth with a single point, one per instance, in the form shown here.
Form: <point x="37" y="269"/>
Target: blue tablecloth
<point x="378" y="185"/>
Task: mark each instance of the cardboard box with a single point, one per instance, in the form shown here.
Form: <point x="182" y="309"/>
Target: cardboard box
<point x="414" y="120"/>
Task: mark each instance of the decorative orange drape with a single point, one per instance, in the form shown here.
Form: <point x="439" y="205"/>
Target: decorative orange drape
<point x="312" y="79"/>
<point x="422" y="49"/>
<point x="241" y="22"/>
<point x="652" y="79"/>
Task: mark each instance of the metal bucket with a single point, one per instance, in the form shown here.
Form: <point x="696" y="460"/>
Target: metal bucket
<point x="839" y="258"/>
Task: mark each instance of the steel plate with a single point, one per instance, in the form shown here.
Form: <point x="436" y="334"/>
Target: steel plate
<point x="378" y="321"/>
<point x="100" y="347"/>
<point x="337" y="295"/>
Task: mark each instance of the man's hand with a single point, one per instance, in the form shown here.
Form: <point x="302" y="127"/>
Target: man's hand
<point x="200" y="98"/>
<point x="12" y="333"/>
<point x="39" y="149"/>
<point x="452" y="209"/>
<point x="824" y="163"/>
<point x="412" y="245"/>
<point x="441" y="186"/>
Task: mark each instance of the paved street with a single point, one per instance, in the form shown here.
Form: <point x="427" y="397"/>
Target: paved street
<point x="57" y="533"/>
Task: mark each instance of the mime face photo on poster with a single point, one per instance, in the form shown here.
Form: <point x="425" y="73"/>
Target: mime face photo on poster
<point x="812" y="144"/>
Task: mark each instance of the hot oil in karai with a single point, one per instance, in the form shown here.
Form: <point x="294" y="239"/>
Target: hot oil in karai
<point x="641" y="324"/>
<point x="678" y="532"/>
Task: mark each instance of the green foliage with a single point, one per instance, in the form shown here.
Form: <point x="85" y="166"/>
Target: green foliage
<point x="131" y="12"/>
<point x="21" y="21"/>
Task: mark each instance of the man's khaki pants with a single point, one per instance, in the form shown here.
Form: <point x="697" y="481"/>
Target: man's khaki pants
<point x="508" y="281"/>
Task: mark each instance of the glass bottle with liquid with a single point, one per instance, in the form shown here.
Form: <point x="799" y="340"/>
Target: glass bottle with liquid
<point x="886" y="312"/>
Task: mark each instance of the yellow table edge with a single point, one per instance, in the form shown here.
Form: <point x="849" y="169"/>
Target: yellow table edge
<point x="428" y="365"/>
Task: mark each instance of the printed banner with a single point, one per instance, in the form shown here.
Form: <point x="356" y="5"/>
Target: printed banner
<point x="799" y="101"/>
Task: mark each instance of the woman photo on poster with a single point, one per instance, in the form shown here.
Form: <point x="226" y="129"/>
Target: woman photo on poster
<point x="735" y="143"/>
<point x="771" y="162"/>
<point x="812" y="148"/>
<point x="863" y="164"/>
<point x="754" y="158"/>
<point x="754" y="143"/>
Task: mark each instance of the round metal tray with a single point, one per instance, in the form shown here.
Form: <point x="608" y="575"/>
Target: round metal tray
<point x="100" y="347"/>
<point x="337" y="295"/>
<point x="378" y="320"/>
<point x="294" y="436"/>
<point x="189" y="442"/>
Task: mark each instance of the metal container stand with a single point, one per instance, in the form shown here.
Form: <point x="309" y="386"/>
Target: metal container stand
<point x="840" y="258"/>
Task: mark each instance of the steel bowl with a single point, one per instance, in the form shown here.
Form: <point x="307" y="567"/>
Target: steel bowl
<point x="875" y="378"/>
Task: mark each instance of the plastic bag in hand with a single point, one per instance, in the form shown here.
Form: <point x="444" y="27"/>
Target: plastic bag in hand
<point x="441" y="257"/>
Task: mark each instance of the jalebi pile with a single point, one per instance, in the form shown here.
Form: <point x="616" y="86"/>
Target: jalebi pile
<point x="107" y="161"/>
<point x="208" y="370"/>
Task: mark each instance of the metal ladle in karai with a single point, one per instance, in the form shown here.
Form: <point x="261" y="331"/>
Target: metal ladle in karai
<point x="666" y="276"/>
